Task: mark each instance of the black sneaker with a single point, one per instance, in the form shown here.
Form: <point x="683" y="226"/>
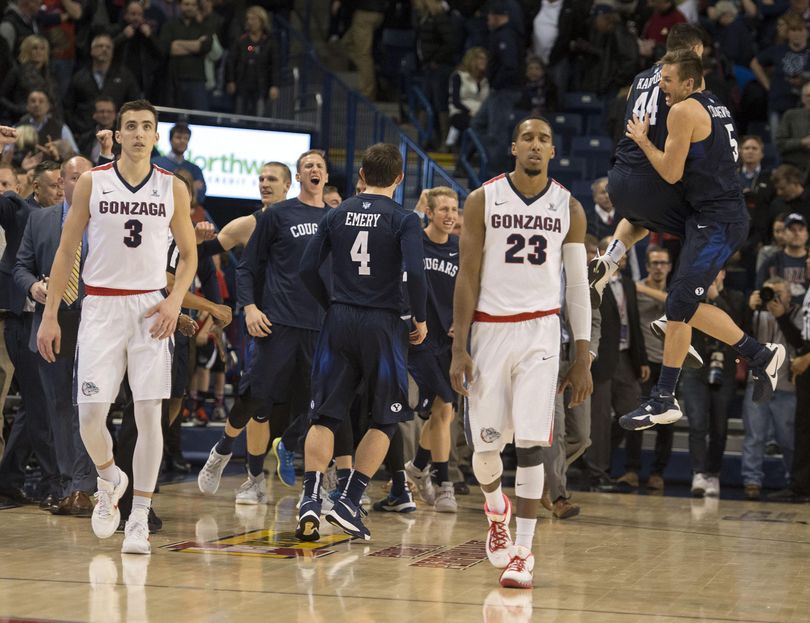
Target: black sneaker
<point x="600" y="270"/>
<point x="309" y="520"/>
<point x="765" y="371"/>
<point x="660" y="408"/>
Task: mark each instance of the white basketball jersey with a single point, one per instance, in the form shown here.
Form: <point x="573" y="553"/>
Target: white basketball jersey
<point x="128" y="233"/>
<point x="522" y="265"/>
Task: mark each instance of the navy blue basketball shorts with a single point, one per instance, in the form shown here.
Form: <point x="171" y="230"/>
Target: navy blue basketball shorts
<point x="278" y="363"/>
<point x="645" y="199"/>
<point x="430" y="370"/>
<point x="208" y="357"/>
<point x="707" y="247"/>
<point x="180" y="366"/>
<point x="361" y="351"/>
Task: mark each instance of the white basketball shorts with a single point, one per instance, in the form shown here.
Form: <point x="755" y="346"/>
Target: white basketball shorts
<point x="514" y="383"/>
<point x="114" y="339"/>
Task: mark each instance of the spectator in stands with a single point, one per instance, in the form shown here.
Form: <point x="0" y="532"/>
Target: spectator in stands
<point x="802" y="9"/>
<point x="252" y="68"/>
<point x="505" y="73"/>
<point x="620" y="365"/>
<point x="101" y="78"/>
<point x="609" y="58"/>
<point x="19" y="22"/>
<point x="791" y="195"/>
<point x="731" y="34"/>
<point x="654" y="34"/>
<point x="359" y="40"/>
<point x="540" y="92"/>
<point x="137" y="46"/>
<point x="179" y="137"/>
<point x="437" y="48"/>
<point x="331" y="196"/>
<point x="778" y="241"/>
<point x="766" y="16"/>
<point x="33" y="73"/>
<point x="791" y="263"/>
<point x="758" y="192"/>
<point x="62" y="16"/>
<point x="651" y="296"/>
<point x="790" y="63"/>
<point x="706" y="394"/>
<point x="469" y="88"/>
<point x="104" y="111"/>
<point x="556" y="25"/>
<point x="780" y="410"/>
<point x="602" y="219"/>
<point x="50" y="129"/>
<point x="793" y="136"/>
<point x="186" y="42"/>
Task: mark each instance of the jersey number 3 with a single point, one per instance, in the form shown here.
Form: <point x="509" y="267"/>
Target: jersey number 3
<point x="359" y="253"/>
<point x="135" y="227"/>
<point x="518" y="242"/>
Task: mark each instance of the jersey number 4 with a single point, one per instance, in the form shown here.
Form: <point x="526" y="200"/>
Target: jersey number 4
<point x="359" y="253"/>
<point x="647" y="104"/>
<point x="135" y="227"/>
<point x="537" y="243"/>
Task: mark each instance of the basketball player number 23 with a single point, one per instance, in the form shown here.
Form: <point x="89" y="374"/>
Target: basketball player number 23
<point x="135" y="227"/>
<point x="537" y="243"/>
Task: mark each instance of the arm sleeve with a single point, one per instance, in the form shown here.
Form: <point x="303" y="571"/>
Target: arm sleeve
<point x="413" y="257"/>
<point x="315" y="254"/>
<point x="209" y="248"/>
<point x="577" y="294"/>
<point x="251" y="269"/>
<point x="25" y="269"/>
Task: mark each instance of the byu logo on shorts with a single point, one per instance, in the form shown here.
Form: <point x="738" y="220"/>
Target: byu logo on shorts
<point x="89" y="389"/>
<point x="311" y="404"/>
<point x="396" y="407"/>
<point x="490" y="435"/>
<point x="699" y="291"/>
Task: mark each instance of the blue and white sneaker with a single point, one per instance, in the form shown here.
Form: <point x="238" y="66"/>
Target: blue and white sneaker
<point x="349" y="518"/>
<point x="660" y="408"/>
<point x="309" y="520"/>
<point x="402" y="503"/>
<point x="765" y="372"/>
<point x="284" y="463"/>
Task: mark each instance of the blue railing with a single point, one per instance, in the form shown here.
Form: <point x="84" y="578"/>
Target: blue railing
<point x="347" y="123"/>
<point x="471" y="144"/>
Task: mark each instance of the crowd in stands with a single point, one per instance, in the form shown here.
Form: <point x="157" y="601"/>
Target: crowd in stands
<point x="68" y="65"/>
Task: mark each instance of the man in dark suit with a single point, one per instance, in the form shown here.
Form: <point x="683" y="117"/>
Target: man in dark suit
<point x="34" y="259"/>
<point x="617" y="371"/>
<point x="31" y="429"/>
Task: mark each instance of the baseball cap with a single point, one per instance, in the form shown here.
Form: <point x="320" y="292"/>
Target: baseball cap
<point x="497" y="7"/>
<point x="794" y="218"/>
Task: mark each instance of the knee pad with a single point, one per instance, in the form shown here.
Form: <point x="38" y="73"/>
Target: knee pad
<point x="529" y="481"/>
<point x="244" y="409"/>
<point x="388" y="429"/>
<point x="487" y="466"/>
<point x="261" y="416"/>
<point x="529" y="457"/>
<point x="682" y="302"/>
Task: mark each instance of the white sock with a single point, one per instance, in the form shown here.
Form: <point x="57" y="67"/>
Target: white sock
<point x="524" y="534"/>
<point x="495" y="501"/>
<point x="140" y="506"/>
<point x="616" y="251"/>
<point x="149" y="447"/>
<point x="109" y="473"/>
<point x="452" y="136"/>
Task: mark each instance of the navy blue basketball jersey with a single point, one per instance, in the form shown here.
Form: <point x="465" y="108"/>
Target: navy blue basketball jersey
<point x="267" y="275"/>
<point x="710" y="178"/>
<point x="371" y="239"/>
<point x="441" y="268"/>
<point x="646" y="98"/>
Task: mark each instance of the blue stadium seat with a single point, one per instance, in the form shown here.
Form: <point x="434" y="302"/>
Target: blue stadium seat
<point x="596" y="150"/>
<point x="581" y="188"/>
<point x="567" y="170"/>
<point x="567" y="125"/>
<point x="583" y="102"/>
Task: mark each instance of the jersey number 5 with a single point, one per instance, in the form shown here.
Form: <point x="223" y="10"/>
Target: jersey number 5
<point x="359" y="253"/>
<point x="647" y="104"/>
<point x="518" y="242"/>
<point x="135" y="228"/>
<point x="732" y="141"/>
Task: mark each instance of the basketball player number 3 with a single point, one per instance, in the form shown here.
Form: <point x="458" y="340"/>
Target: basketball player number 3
<point x="537" y="243"/>
<point x="135" y="228"/>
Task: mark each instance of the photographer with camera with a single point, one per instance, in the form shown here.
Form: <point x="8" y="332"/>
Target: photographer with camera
<point x="707" y="393"/>
<point x="770" y="308"/>
<point x="791" y="263"/>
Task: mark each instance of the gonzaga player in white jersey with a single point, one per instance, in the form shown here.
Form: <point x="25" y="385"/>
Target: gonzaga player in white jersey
<point x="129" y="209"/>
<point x="520" y="231"/>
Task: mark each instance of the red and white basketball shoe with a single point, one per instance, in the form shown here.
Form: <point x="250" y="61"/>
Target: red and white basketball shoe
<point x="518" y="573"/>
<point x="499" y="541"/>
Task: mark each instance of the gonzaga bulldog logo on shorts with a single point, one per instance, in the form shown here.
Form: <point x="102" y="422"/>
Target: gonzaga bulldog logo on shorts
<point x="490" y="435"/>
<point x="89" y="389"/>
